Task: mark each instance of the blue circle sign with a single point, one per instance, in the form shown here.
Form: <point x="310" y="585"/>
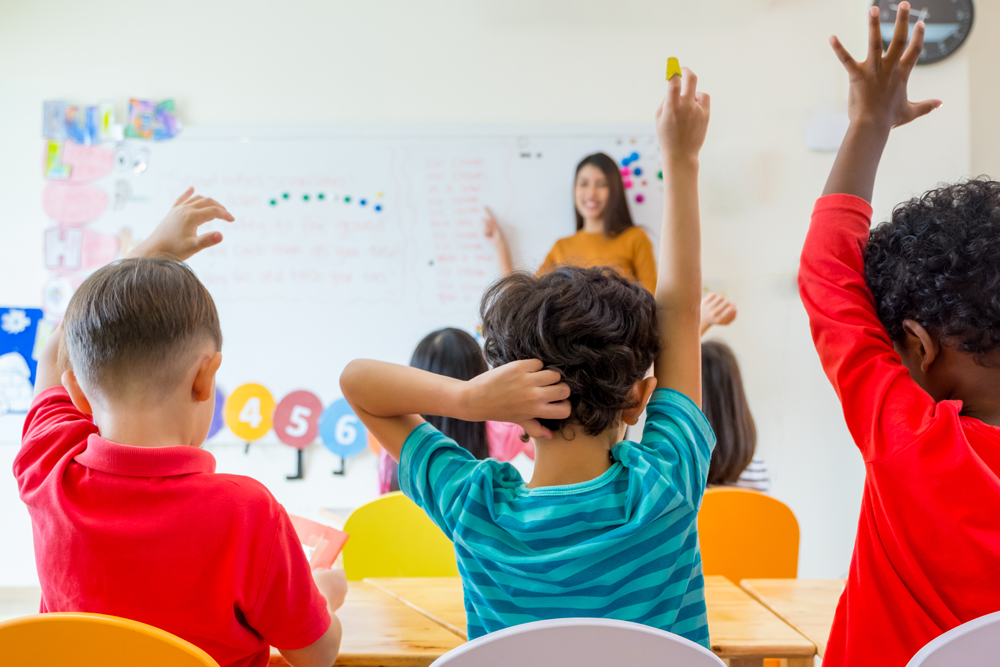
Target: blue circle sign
<point x="341" y="431"/>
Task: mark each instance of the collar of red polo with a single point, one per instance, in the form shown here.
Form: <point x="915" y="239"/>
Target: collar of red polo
<point x="114" y="459"/>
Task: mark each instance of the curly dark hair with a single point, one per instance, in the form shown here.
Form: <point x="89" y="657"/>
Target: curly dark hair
<point x="937" y="262"/>
<point x="595" y="327"/>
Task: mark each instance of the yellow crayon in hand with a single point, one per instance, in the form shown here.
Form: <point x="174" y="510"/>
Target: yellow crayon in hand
<point x="673" y="67"/>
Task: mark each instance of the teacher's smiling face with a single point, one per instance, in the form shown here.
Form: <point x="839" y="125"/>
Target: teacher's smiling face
<point x="591" y="197"/>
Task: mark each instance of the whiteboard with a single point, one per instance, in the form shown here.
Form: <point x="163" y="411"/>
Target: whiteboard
<point x="358" y="242"/>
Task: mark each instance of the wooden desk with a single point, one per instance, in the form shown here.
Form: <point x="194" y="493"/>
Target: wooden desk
<point x="379" y="631"/>
<point x="808" y="605"/>
<point x="742" y="631"/>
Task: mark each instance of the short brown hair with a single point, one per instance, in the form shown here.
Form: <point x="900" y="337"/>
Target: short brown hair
<point x="133" y="324"/>
<point x="725" y="406"/>
<point x="595" y="327"/>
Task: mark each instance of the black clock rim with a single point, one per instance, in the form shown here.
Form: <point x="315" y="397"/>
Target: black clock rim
<point x="937" y="59"/>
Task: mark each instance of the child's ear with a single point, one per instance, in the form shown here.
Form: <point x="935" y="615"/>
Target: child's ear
<point x="641" y="390"/>
<point x="204" y="381"/>
<point x="920" y="343"/>
<point x="76" y="393"/>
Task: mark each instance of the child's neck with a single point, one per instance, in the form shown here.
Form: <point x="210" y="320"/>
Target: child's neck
<point x="581" y="458"/>
<point x="165" y="424"/>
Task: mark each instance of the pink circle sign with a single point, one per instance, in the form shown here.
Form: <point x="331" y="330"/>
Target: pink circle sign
<point x="296" y="419"/>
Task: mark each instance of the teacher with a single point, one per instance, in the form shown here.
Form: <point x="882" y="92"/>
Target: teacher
<point x="605" y="236"/>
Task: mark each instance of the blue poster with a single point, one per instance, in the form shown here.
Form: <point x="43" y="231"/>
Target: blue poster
<point x="18" y="332"/>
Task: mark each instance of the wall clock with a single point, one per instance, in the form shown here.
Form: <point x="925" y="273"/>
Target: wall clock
<point x="948" y="25"/>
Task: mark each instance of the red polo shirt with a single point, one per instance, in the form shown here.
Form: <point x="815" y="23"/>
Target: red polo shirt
<point x="155" y="535"/>
<point x="926" y="555"/>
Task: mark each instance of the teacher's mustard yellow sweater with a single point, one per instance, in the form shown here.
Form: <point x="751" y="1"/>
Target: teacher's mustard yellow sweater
<point x="630" y="253"/>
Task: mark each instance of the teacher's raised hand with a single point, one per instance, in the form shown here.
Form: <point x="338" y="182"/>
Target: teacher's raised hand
<point x="494" y="234"/>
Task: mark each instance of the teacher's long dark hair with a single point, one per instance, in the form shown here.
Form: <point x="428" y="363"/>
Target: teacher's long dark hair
<point x="455" y="354"/>
<point x="616" y="214"/>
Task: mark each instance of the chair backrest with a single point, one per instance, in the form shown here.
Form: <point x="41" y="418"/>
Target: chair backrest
<point x="579" y="642"/>
<point x="974" y="643"/>
<point x="747" y="535"/>
<point x="392" y="537"/>
<point x="94" y="640"/>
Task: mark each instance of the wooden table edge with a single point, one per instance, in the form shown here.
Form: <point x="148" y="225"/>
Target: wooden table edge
<point x="759" y="597"/>
<point x="444" y="624"/>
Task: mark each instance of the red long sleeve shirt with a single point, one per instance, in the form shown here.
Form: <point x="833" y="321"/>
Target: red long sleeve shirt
<point x="927" y="553"/>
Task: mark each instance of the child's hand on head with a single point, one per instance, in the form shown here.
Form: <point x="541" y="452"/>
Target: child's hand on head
<point x="333" y="585"/>
<point x="716" y="310"/>
<point x="878" y="85"/>
<point x="177" y="234"/>
<point x="682" y="118"/>
<point x="521" y="393"/>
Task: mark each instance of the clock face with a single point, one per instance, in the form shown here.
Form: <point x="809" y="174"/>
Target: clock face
<point x="948" y="24"/>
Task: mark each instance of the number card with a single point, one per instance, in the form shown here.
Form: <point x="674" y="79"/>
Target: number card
<point x="341" y="431"/>
<point x="296" y="419"/>
<point x="218" y="416"/>
<point x="249" y="411"/>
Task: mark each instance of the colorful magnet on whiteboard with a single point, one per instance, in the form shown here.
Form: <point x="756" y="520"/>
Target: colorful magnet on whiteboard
<point x="363" y="202"/>
<point x="633" y="157"/>
<point x="284" y="196"/>
<point x="378" y="194"/>
<point x="341" y="431"/>
<point x="218" y="416"/>
<point x="305" y="197"/>
<point x="645" y="182"/>
<point x="639" y="199"/>
<point x="249" y="412"/>
<point x="627" y="183"/>
<point x="274" y="202"/>
<point x="625" y="171"/>
<point x="626" y="162"/>
<point x="637" y="171"/>
<point x="659" y="175"/>
<point x="320" y="196"/>
<point x="296" y="419"/>
<point x="378" y="207"/>
<point x="347" y="200"/>
<point x="673" y="67"/>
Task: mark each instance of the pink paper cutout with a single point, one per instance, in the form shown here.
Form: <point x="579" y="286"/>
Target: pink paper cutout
<point x="88" y="163"/>
<point x="74" y="205"/>
<point x="321" y="543"/>
<point x="71" y="249"/>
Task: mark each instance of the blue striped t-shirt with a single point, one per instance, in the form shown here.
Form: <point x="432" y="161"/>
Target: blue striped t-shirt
<point x="622" y="546"/>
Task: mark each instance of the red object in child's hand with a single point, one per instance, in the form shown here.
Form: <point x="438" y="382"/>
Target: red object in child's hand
<point x="321" y="543"/>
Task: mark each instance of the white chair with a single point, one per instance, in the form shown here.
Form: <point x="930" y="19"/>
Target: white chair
<point x="579" y="642"/>
<point x="974" y="643"/>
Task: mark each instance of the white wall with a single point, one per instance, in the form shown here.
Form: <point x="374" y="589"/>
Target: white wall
<point x="766" y="63"/>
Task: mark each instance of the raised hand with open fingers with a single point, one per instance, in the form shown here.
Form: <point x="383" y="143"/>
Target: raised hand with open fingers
<point x="878" y="85"/>
<point x="177" y="234"/>
<point x="716" y="310"/>
<point x="682" y="118"/>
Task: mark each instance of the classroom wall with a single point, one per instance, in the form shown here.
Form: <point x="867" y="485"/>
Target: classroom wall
<point x="765" y="62"/>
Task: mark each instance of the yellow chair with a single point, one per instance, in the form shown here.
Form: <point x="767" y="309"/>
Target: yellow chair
<point x="94" y="640"/>
<point x="747" y="535"/>
<point x="392" y="537"/>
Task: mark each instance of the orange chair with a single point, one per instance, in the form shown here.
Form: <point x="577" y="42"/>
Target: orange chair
<point x="747" y="535"/>
<point x="94" y="640"/>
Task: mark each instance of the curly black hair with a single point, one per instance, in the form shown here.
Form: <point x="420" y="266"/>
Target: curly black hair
<point x="595" y="327"/>
<point x="937" y="262"/>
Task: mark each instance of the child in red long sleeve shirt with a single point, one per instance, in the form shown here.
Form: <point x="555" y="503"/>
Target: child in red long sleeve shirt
<point x="907" y="325"/>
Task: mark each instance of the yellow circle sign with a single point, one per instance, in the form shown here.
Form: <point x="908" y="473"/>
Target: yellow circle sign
<point x="249" y="412"/>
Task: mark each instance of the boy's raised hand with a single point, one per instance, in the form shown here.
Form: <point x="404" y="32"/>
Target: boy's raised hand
<point x="878" y="85"/>
<point x="521" y="392"/>
<point x="682" y="118"/>
<point x="877" y="102"/>
<point x="177" y="234"/>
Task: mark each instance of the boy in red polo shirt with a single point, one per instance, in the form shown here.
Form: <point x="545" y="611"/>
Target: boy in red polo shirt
<point x="907" y="324"/>
<point x="129" y="517"/>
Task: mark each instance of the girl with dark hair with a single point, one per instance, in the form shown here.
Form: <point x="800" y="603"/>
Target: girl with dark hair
<point x="725" y="405"/>
<point x="605" y="236"/>
<point x="456" y="354"/>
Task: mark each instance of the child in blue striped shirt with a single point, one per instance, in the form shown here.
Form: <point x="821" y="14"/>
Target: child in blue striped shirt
<point x="605" y="527"/>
